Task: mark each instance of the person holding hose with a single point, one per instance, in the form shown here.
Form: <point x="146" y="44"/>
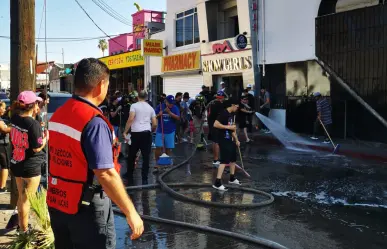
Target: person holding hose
<point x="228" y="142"/>
<point x="83" y="174"/>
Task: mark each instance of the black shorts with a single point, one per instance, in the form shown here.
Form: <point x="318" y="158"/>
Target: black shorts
<point x="92" y="227"/>
<point x="5" y="153"/>
<point x="27" y="170"/>
<point x="228" y="152"/>
<point x="213" y="134"/>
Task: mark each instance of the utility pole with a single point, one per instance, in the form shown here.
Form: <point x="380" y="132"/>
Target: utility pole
<point x="254" y="13"/>
<point x="22" y="56"/>
<point x="63" y="58"/>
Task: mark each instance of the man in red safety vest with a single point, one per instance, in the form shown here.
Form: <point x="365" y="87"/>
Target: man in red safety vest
<point x="83" y="167"/>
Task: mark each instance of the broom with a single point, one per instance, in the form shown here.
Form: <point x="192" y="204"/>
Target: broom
<point x="335" y="147"/>
<point x="240" y="155"/>
<point x="164" y="159"/>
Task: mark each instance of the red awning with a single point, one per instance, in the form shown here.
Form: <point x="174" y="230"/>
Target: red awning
<point x="42" y="67"/>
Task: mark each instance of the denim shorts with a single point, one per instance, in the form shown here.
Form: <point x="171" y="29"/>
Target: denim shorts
<point x="169" y="140"/>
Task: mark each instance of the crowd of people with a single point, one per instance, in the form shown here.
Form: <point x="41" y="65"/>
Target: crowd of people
<point x="84" y="174"/>
<point x="180" y="118"/>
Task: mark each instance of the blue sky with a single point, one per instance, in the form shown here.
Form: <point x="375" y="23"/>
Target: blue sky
<point x="66" y="19"/>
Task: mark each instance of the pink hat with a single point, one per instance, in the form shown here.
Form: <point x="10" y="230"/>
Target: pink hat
<point x="28" y="97"/>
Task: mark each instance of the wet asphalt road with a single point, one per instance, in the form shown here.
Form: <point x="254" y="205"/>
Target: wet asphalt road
<point x="322" y="201"/>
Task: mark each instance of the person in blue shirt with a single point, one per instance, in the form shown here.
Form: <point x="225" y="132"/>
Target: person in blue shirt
<point x="167" y="115"/>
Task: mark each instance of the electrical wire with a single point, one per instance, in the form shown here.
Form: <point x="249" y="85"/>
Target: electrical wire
<point x="111" y="12"/>
<point x="97" y="24"/>
<point x="66" y="39"/>
<point x="41" y="21"/>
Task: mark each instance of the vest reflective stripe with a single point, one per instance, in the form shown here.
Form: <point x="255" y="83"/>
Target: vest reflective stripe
<point x="68" y="167"/>
<point x="65" y="130"/>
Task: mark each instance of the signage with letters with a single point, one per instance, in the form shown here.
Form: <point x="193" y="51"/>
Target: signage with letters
<point x="226" y="47"/>
<point x="218" y="48"/>
<point x="152" y="47"/>
<point x="181" y="62"/>
<point x="228" y="64"/>
<point x="124" y="60"/>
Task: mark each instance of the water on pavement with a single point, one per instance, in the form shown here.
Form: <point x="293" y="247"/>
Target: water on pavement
<point x="322" y="201"/>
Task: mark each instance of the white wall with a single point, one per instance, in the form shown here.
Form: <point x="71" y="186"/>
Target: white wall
<point x="173" y="7"/>
<point x="289" y="30"/>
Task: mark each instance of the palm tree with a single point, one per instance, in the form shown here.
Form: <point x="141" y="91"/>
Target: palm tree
<point x="102" y="45"/>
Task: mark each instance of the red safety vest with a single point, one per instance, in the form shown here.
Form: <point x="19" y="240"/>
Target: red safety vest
<point x="68" y="168"/>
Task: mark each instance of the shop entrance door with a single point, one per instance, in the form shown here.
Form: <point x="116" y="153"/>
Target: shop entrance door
<point x="234" y="86"/>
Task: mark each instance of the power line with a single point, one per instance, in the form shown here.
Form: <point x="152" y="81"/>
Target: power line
<point x="41" y="21"/>
<point x="111" y="12"/>
<point x="97" y="24"/>
<point x="74" y="39"/>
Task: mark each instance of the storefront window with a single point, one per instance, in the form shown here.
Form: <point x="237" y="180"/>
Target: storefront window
<point x="187" y="28"/>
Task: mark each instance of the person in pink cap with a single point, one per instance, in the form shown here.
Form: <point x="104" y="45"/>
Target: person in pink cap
<point x="27" y="157"/>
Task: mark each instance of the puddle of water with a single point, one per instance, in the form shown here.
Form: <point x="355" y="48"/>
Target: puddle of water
<point x="324" y="198"/>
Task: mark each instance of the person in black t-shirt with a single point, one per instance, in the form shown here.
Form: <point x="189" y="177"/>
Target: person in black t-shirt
<point x="228" y="142"/>
<point x="27" y="157"/>
<point x="215" y="108"/>
<point x="245" y="117"/>
<point x="115" y="114"/>
<point x="198" y="109"/>
<point x="4" y="148"/>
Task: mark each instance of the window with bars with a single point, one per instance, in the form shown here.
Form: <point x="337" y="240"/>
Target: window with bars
<point x="187" y="28"/>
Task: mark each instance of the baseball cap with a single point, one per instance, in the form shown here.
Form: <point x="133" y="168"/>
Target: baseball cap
<point x="220" y="94"/>
<point x="222" y="83"/>
<point x="316" y="94"/>
<point x="249" y="86"/>
<point x="170" y="99"/>
<point x="28" y="97"/>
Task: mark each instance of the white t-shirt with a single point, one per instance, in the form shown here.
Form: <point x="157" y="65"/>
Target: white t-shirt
<point x="143" y="119"/>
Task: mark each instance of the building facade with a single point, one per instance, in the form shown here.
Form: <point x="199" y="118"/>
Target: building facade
<point x="125" y="59"/>
<point x="206" y="42"/>
<point x="343" y="34"/>
<point x="225" y="44"/>
<point x="5" y="77"/>
<point x="179" y="70"/>
<point x="132" y="41"/>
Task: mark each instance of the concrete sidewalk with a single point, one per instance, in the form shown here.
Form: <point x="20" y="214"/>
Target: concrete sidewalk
<point x="5" y="213"/>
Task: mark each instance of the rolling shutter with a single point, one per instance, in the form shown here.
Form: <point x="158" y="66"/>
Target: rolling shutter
<point x="188" y="83"/>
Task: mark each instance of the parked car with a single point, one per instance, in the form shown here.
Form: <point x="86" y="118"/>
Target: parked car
<point x="56" y="101"/>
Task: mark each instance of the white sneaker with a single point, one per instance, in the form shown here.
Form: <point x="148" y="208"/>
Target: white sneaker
<point x="326" y="142"/>
<point x="235" y="182"/>
<point x="314" y="138"/>
<point x="268" y="132"/>
<point x="221" y="188"/>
